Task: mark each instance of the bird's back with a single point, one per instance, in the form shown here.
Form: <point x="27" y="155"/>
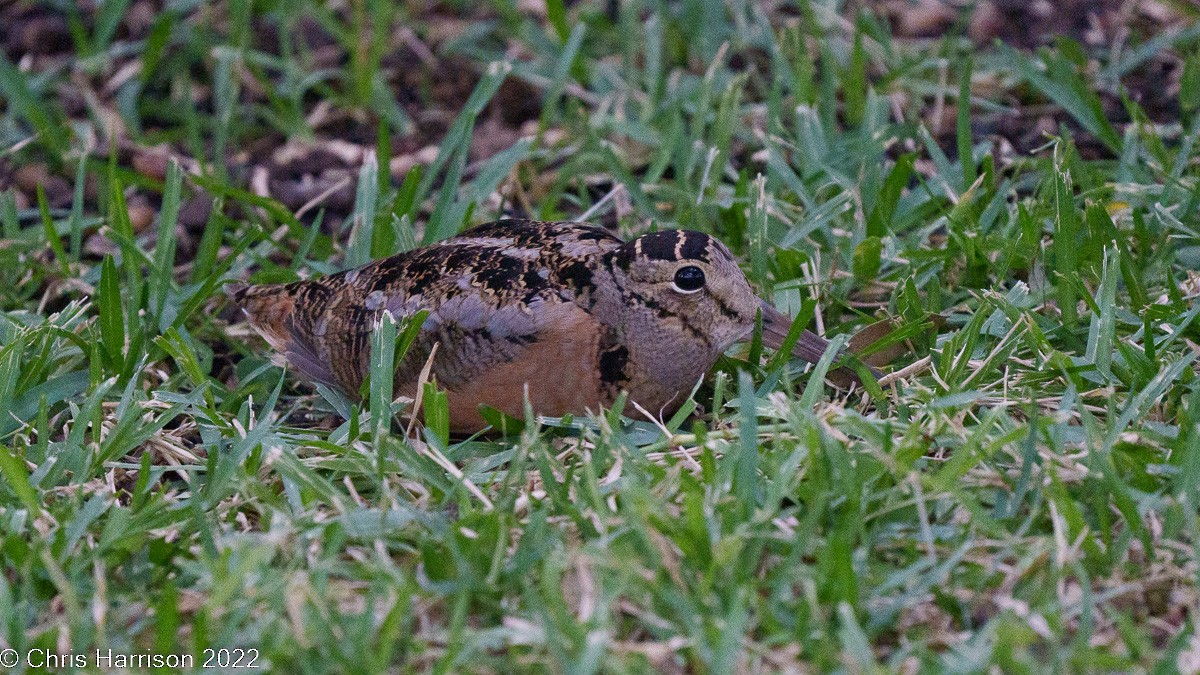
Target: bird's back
<point x="490" y="292"/>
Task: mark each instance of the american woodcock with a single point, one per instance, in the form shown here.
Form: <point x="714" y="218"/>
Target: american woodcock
<point x="565" y="308"/>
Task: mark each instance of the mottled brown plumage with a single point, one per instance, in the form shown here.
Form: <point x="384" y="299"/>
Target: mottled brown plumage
<point x="565" y="308"/>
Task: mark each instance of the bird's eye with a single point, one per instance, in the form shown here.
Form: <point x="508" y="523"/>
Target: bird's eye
<point x="689" y="279"/>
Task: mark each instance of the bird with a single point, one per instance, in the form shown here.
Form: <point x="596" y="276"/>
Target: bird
<point x="564" y="313"/>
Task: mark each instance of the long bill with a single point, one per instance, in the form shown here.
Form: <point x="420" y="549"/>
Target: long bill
<point x="775" y="326"/>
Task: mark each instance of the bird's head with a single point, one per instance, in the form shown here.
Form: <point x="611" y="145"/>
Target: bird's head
<point x="689" y="281"/>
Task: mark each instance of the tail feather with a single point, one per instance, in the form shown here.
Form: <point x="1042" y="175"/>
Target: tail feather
<point x="271" y="311"/>
<point x="268" y="308"/>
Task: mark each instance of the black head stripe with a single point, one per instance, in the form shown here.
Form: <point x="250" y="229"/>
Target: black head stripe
<point x="674" y="245"/>
<point x="694" y="246"/>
